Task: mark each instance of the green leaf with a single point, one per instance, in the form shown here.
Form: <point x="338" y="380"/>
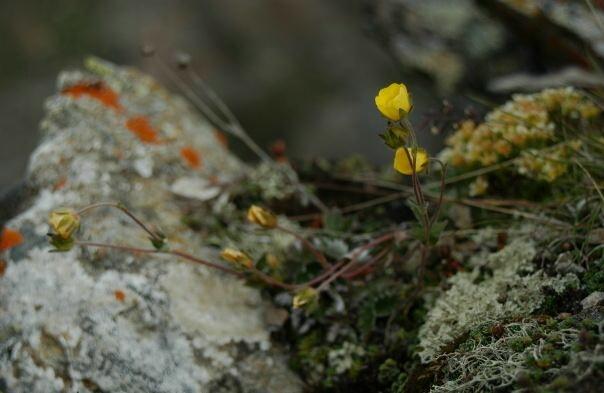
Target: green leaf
<point x="399" y="132"/>
<point x="159" y="241"/>
<point x="419" y="211"/>
<point x="395" y="136"/>
<point x="60" y="244"/>
<point x="417" y="232"/>
<point x="436" y="229"/>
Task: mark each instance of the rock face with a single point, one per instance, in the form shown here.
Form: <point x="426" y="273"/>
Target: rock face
<point x="93" y="320"/>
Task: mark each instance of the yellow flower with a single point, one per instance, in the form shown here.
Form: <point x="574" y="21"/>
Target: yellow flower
<point x="237" y="257"/>
<point x="392" y="99"/>
<point x="273" y="261"/>
<point x="304" y="297"/>
<point x="262" y="217"/>
<point x="479" y="186"/>
<point x="402" y="163"/>
<point x="64" y="222"/>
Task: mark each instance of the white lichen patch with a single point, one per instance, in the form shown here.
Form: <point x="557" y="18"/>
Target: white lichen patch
<point x="342" y="359"/>
<point x="104" y="320"/>
<point x="505" y="285"/>
<point x="213" y="307"/>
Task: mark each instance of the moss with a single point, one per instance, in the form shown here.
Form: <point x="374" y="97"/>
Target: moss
<point x="399" y="385"/>
<point x="593" y="279"/>
<point x="519" y="344"/>
<point x="388" y="372"/>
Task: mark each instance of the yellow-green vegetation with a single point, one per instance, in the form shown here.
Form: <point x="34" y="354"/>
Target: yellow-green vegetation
<point x="536" y="136"/>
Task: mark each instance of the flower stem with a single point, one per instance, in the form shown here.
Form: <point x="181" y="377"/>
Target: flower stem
<point x="318" y="254"/>
<point x="176" y="253"/>
<point x="124" y="210"/>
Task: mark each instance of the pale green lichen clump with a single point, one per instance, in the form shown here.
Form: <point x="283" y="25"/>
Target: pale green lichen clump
<point x="494" y="363"/>
<point x="512" y="288"/>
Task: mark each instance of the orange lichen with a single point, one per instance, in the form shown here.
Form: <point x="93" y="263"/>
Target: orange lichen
<point x="191" y="157"/>
<point x="278" y="150"/>
<point x="10" y="238"/>
<point x="60" y="184"/>
<point x="2" y="267"/>
<point x="221" y="138"/>
<point x="98" y="91"/>
<point x="120" y="296"/>
<point x="141" y="127"/>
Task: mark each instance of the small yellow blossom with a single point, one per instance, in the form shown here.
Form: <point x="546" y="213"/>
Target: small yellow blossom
<point x="306" y="296"/>
<point x="401" y="160"/>
<point x="64" y="222"/>
<point x="392" y="99"/>
<point x="236" y="257"/>
<point x="262" y="217"/>
<point x="273" y="261"/>
<point x="479" y="186"/>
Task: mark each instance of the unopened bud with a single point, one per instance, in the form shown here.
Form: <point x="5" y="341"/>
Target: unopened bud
<point x="237" y="257"/>
<point x="262" y="217"/>
<point x="306" y="296"/>
<point x="64" y="222"/>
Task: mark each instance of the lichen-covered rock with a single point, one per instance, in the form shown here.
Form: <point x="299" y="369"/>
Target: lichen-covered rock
<point x="93" y="320"/>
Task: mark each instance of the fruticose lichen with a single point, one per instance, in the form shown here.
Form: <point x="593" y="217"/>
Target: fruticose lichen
<point x="505" y="284"/>
<point x="528" y="355"/>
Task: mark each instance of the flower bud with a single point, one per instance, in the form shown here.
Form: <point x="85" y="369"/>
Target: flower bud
<point x="261" y="217"/>
<point x="273" y="261"/>
<point x="306" y="296"/>
<point x="236" y="257"/>
<point x="64" y="222"/>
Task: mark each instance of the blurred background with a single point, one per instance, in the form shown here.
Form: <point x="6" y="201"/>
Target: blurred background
<point x="302" y="71"/>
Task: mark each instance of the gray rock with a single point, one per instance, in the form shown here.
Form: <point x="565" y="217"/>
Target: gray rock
<point x="593" y="300"/>
<point x="94" y="320"/>
<point x="565" y="264"/>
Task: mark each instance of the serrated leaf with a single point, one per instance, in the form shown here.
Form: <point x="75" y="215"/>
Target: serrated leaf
<point x="417" y="232"/>
<point x="418" y="211"/>
<point x="436" y="229"/>
<point x="395" y="137"/>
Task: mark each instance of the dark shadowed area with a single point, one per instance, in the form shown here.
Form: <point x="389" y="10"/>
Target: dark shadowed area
<point x="301" y="71"/>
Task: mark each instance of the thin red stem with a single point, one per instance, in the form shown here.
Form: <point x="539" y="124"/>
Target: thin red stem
<point x="177" y="253"/>
<point x="318" y="254"/>
<point x="124" y="210"/>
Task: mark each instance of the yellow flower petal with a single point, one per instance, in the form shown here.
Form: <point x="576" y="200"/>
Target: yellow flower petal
<point x="392" y="99"/>
<point x="401" y="160"/>
<point x="262" y="217"/>
<point x="64" y="222"/>
<point x="236" y="257"/>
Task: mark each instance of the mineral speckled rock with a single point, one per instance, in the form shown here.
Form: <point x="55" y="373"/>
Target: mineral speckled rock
<point x="93" y="320"/>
